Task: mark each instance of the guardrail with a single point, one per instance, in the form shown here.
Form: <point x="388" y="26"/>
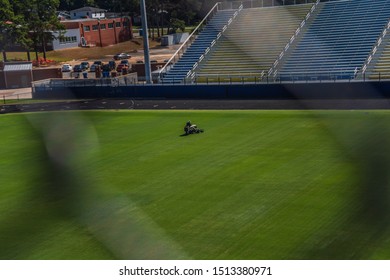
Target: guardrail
<point x="374" y="50"/>
<point x="191" y="73"/>
<point x="248" y="4"/>
<point x="177" y="55"/>
<point x="123" y="80"/>
<point x="104" y="85"/>
<point x="274" y="70"/>
<point x="263" y="77"/>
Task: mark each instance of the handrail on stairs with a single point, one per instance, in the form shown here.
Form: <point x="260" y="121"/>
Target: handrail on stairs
<point x="190" y="38"/>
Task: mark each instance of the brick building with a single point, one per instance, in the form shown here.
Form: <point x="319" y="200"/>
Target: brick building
<point x="94" y="32"/>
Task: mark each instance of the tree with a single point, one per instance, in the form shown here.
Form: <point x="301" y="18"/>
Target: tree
<point x="187" y="9"/>
<point x="42" y="21"/>
<point x="177" y="24"/>
<point x="68" y="5"/>
<point x="12" y="28"/>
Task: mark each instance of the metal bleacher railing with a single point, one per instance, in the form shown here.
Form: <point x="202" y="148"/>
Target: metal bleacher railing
<point x="274" y="70"/>
<point x="234" y="5"/>
<point x="338" y="41"/>
<point x="191" y="74"/>
<point x="247" y="4"/>
<point x="178" y="54"/>
<point x="372" y="53"/>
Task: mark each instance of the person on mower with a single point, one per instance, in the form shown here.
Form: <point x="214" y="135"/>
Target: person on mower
<point x="187" y="127"/>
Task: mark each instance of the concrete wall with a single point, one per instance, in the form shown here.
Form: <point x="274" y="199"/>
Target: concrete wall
<point x="46" y="73"/>
<point x="140" y="68"/>
<point x="339" y="90"/>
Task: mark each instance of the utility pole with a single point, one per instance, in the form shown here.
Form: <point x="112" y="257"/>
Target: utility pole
<point x="148" y="73"/>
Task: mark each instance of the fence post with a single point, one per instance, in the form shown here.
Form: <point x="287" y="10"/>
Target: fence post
<point x="4" y="98"/>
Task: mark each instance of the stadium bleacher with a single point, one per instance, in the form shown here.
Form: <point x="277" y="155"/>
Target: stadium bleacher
<point x="381" y="69"/>
<point x="178" y="71"/>
<point x="333" y="44"/>
<point x="252" y="42"/>
<point x="338" y="41"/>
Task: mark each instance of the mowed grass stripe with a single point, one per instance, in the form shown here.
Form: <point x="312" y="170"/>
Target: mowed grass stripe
<point x="254" y="185"/>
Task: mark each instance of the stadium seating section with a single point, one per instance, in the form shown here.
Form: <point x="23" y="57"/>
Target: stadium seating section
<point x="253" y="42"/>
<point x="334" y="43"/>
<point x="179" y="70"/>
<point x="338" y="41"/>
<point x="381" y="69"/>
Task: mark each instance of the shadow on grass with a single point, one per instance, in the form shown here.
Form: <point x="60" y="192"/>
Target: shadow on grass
<point x="368" y="218"/>
<point x="53" y="197"/>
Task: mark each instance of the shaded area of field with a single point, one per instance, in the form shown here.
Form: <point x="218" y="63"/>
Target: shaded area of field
<point x="172" y="104"/>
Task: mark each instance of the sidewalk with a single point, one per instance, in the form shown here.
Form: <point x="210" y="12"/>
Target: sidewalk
<point x="18" y="93"/>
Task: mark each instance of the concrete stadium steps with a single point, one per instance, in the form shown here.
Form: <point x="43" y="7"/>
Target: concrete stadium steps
<point x="381" y="69"/>
<point x="178" y="72"/>
<point x="254" y="40"/>
<point x="338" y="41"/>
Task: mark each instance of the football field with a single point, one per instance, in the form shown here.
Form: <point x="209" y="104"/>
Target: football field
<point x="255" y="185"/>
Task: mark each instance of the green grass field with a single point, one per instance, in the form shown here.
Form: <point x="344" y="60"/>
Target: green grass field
<point x="254" y="185"/>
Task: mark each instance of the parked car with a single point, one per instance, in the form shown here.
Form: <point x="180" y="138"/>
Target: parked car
<point x="140" y="61"/>
<point x="98" y="62"/>
<point x="85" y="65"/>
<point x="78" y="68"/>
<point x="125" y="61"/>
<point x="112" y="64"/>
<point x="66" y="68"/>
<point x="106" y="68"/>
<point x="93" y="67"/>
<point x="153" y="61"/>
<point x="120" y="56"/>
<point x="121" y="66"/>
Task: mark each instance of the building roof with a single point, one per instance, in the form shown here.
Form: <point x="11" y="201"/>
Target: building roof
<point x="18" y="66"/>
<point x="85" y="20"/>
<point x="88" y="9"/>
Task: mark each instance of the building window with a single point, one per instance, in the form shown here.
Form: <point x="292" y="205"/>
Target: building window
<point x="125" y="24"/>
<point x="95" y="27"/>
<point x="110" y="26"/>
<point x="87" y="28"/>
<point x="68" y="40"/>
<point x="103" y="26"/>
<point x="117" y="24"/>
